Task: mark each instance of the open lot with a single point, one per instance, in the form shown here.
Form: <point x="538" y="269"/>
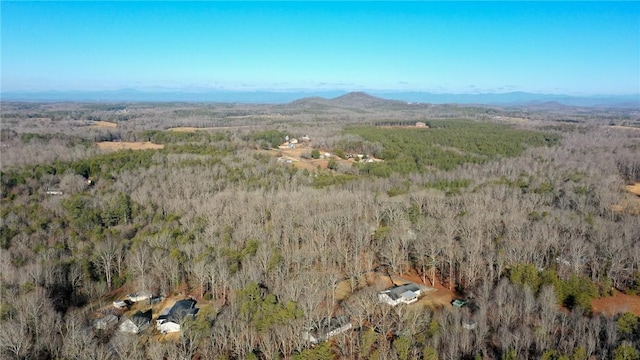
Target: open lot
<point x="103" y="124"/>
<point x="123" y="145"/>
<point x="617" y="304"/>
<point x="634" y="189"/>
<point x="434" y="297"/>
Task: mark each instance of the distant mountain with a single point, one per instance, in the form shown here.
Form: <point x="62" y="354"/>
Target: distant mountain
<point x="515" y="98"/>
<point x="309" y="102"/>
<point x="349" y="100"/>
<point x="361" y="99"/>
<point x="336" y="98"/>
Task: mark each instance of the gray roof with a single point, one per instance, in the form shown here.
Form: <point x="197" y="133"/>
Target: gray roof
<point x="141" y="318"/>
<point x="181" y="309"/>
<point x="401" y="291"/>
<point x="323" y="327"/>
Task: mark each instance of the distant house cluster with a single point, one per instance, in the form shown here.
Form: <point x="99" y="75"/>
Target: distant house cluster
<point x="168" y="322"/>
<point x="291" y="143"/>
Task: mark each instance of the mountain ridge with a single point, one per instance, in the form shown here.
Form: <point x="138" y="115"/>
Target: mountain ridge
<point x="323" y="97"/>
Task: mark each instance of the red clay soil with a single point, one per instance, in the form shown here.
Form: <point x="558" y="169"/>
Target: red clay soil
<point x="434" y="299"/>
<point x="413" y="276"/>
<point x="617" y="304"/>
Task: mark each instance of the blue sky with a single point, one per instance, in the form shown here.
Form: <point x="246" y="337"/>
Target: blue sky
<point x="577" y="48"/>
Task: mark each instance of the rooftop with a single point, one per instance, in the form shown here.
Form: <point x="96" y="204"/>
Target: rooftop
<point x="407" y="291"/>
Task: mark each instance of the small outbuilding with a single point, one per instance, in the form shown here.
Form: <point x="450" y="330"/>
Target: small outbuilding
<point x="469" y="324"/>
<point x="122" y="304"/>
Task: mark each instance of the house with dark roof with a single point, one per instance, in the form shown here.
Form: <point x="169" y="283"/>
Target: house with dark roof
<point x="139" y="322"/>
<point x="407" y="294"/>
<point x="105" y="322"/>
<point x="181" y="310"/>
<point x="326" y="328"/>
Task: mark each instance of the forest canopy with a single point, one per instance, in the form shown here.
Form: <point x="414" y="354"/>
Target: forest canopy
<point x="446" y="144"/>
<point x="528" y="220"/>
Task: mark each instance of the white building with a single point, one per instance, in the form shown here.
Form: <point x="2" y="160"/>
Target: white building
<point x="406" y="294"/>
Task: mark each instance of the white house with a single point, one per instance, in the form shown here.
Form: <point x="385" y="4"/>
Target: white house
<point x="406" y="294"/>
<point x="135" y="297"/>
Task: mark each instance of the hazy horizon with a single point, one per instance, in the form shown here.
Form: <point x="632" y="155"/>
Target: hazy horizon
<point x="572" y="48"/>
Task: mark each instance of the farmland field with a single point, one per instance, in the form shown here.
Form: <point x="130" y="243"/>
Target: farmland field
<point x="124" y="145"/>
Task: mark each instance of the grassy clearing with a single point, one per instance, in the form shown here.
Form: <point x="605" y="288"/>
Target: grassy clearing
<point x="113" y="146"/>
<point x="634" y="189"/>
<point x="103" y="124"/>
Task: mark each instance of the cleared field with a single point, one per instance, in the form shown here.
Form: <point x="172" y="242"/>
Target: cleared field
<point x="112" y="146"/>
<point x="617" y="304"/>
<point x="626" y="127"/>
<point x="634" y="189"/>
<point x="434" y="298"/>
<point x="103" y="124"/>
<point x="194" y="129"/>
<point x="187" y="129"/>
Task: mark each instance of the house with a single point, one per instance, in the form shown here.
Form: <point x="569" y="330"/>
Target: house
<point x="54" y="192"/>
<point x="136" y="297"/>
<point x="420" y="124"/>
<point x="407" y="294"/>
<point x="170" y="322"/>
<point x="457" y="303"/>
<point x="139" y="322"/>
<point x="105" y="322"/>
<point x="323" y="330"/>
